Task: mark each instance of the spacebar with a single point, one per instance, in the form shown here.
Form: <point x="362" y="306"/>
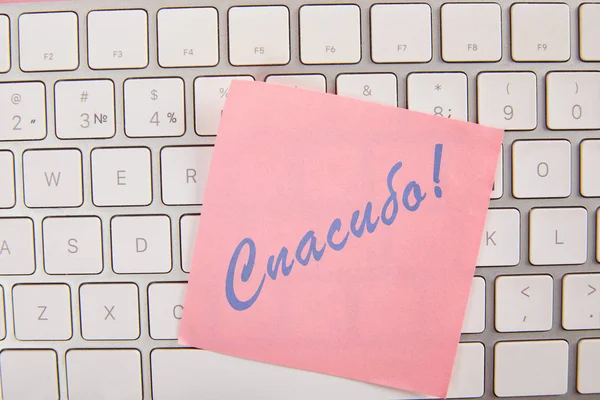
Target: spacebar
<point x="186" y="374"/>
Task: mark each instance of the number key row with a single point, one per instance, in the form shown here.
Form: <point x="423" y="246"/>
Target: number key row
<point x="153" y="107"/>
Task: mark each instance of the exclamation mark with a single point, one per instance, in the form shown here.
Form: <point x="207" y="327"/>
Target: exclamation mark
<point x="436" y="169"/>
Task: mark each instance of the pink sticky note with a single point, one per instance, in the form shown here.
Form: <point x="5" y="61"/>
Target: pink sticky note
<point x="378" y="299"/>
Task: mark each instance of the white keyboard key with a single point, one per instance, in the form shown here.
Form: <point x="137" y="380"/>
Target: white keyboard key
<point x="2" y="316"/>
<point x="581" y="301"/>
<point x="314" y="82"/>
<point x="572" y="99"/>
<point x="210" y="93"/>
<point x="104" y="374"/>
<point x="22" y="111"/>
<point x="589" y="30"/>
<point x="588" y="365"/>
<point x="330" y="34"/>
<point x="540" y="39"/>
<point x="468" y="373"/>
<point x="72" y="245"/>
<point x="400" y="33"/>
<point x="109" y="311"/>
<point x="16" y="246"/>
<point x="29" y="374"/>
<point x="441" y="94"/>
<point x="531" y="368"/>
<point x="85" y="109"/>
<point x="498" y="186"/>
<point x="188" y="37"/>
<point x="52" y="178"/>
<point x="4" y="43"/>
<point x="598" y="236"/>
<point x="524" y="303"/>
<point x="507" y="100"/>
<point x="42" y="312"/>
<point x="117" y="39"/>
<point x="541" y="168"/>
<point x="175" y="375"/>
<point x="141" y="244"/>
<point x="187" y="234"/>
<point x="590" y="165"/>
<point x="557" y="236"/>
<point x="471" y="32"/>
<point x="259" y="35"/>
<point x="49" y="41"/>
<point x="121" y="177"/>
<point x="376" y="88"/>
<point x="154" y="107"/>
<point x="184" y="172"/>
<point x="7" y="179"/>
<point x="165" y="306"/>
<point x="474" y="321"/>
<point x="501" y="238"/>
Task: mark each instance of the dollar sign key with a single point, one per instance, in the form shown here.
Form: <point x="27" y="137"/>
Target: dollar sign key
<point x="154" y="94"/>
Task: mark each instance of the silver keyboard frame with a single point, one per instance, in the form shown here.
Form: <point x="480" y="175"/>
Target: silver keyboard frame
<point x="145" y="343"/>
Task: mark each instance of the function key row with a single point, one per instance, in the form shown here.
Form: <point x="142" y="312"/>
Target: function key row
<point x="329" y="34"/>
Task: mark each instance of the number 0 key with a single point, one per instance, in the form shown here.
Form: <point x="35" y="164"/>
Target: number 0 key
<point x="572" y="100"/>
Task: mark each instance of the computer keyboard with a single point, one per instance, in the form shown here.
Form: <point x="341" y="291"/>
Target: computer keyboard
<point x="108" y="115"/>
